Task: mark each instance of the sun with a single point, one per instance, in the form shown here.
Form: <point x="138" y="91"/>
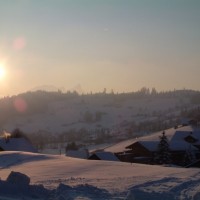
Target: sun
<point x="2" y="71"/>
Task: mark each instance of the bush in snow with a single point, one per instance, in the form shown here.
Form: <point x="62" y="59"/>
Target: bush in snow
<point x="17" y="185"/>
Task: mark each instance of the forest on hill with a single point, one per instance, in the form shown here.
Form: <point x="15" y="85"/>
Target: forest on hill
<point x="37" y="102"/>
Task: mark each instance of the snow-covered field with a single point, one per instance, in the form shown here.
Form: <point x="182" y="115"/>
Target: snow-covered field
<point x="70" y="178"/>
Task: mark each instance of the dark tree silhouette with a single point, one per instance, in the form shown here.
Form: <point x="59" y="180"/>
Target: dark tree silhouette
<point x="71" y="146"/>
<point x="163" y="152"/>
<point x="18" y="133"/>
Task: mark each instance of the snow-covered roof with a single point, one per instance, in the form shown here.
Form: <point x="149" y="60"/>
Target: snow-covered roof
<point x="16" y="144"/>
<point x="150" y="145"/>
<point x="181" y="135"/>
<point x="121" y="147"/>
<point x="174" y="146"/>
<point x="78" y="153"/>
<point x="181" y="146"/>
<point x="106" y="156"/>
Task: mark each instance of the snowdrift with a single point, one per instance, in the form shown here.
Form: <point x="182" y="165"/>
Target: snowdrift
<point x="18" y="185"/>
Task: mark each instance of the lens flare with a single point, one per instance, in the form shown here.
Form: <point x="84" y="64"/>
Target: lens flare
<point x="20" y="105"/>
<point x="19" y="43"/>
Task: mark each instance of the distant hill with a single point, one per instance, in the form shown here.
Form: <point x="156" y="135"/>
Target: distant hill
<point x="121" y="114"/>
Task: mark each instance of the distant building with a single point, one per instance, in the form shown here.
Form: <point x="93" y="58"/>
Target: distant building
<point x="16" y="144"/>
<point x="187" y="122"/>
<point x="184" y="121"/>
<point x="145" y="151"/>
<point x="84" y="154"/>
<point x="103" y="156"/>
<point x="182" y="140"/>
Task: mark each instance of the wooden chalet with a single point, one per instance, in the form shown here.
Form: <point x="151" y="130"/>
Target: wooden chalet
<point x="140" y="152"/>
<point x="145" y="152"/>
<point x="181" y="140"/>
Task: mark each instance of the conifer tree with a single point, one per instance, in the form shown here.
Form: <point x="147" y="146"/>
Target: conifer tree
<point x="163" y="151"/>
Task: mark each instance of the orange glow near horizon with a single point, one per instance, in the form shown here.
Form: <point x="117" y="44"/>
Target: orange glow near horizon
<point x="2" y="71"/>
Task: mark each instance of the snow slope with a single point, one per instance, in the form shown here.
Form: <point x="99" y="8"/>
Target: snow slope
<point x="70" y="178"/>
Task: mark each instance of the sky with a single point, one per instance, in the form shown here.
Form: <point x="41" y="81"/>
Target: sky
<point x="122" y="45"/>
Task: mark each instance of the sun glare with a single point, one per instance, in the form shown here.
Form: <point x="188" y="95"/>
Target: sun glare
<point x="2" y="71"/>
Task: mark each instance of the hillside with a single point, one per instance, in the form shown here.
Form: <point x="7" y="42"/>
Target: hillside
<point x="94" y="117"/>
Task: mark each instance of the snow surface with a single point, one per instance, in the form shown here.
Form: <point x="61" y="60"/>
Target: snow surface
<point x="60" y="178"/>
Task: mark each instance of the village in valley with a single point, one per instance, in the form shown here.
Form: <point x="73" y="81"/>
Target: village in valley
<point x="179" y="146"/>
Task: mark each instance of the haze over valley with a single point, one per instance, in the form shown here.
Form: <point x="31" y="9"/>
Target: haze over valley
<point x="99" y="100"/>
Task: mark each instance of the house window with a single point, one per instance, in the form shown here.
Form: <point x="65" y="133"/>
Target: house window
<point x="190" y="139"/>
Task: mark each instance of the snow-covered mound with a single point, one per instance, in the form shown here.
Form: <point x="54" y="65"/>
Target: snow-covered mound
<point x="10" y="158"/>
<point x="60" y="177"/>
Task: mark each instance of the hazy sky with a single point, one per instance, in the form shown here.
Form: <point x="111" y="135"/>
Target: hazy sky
<point x="114" y="44"/>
